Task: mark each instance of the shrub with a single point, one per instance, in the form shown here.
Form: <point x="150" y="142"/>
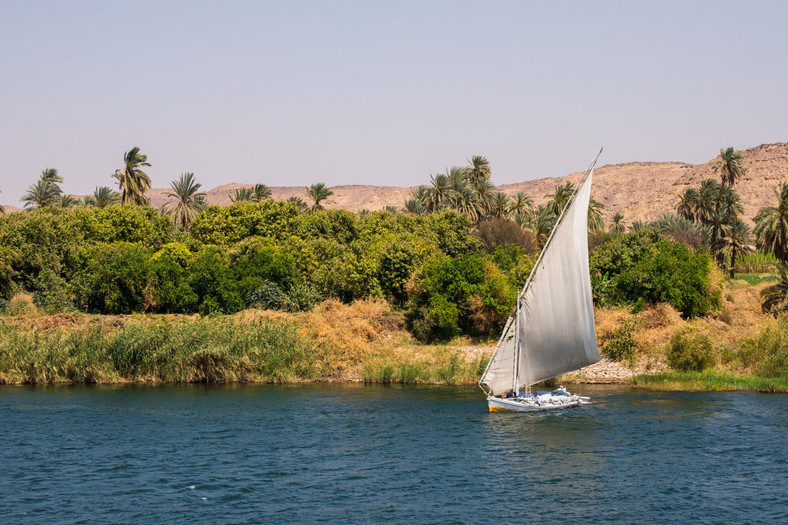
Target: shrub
<point x="498" y="233"/>
<point x="268" y="296"/>
<point x="112" y="278"/>
<point x="301" y="298"/>
<point x="672" y="273"/>
<point x="212" y="280"/>
<point x="167" y="289"/>
<point x="690" y="351"/>
<point x="52" y="293"/>
<point x="437" y="321"/>
<point x="21" y="304"/>
<point x="620" y="345"/>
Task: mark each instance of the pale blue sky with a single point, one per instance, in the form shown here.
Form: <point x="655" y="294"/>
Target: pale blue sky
<point x="366" y="92"/>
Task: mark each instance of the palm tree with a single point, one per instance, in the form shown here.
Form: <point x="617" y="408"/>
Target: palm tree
<point x="500" y="206"/>
<point x="261" y="192"/>
<point x="242" y="195"/>
<point x="730" y="203"/>
<point x="132" y="181"/>
<point x="300" y="204"/>
<point x="187" y="201"/>
<point x="467" y="201"/>
<point x="708" y="199"/>
<point x="479" y="169"/>
<point x="595" y="221"/>
<point x="682" y="229"/>
<point x="559" y="199"/>
<point x="440" y="194"/>
<point x="771" y="225"/>
<point x="719" y="227"/>
<point x="735" y="243"/>
<point x="457" y="178"/>
<point x="637" y="226"/>
<point x="730" y="166"/>
<point x="50" y="176"/>
<point x="41" y="194"/>
<point x="483" y="189"/>
<point x="688" y="204"/>
<point x="541" y="223"/>
<point x="774" y="299"/>
<point x="104" y="196"/>
<point x="415" y="206"/>
<point x="391" y="209"/>
<point x="617" y="225"/>
<point x="521" y="206"/>
<point x="66" y="201"/>
<point x="318" y="193"/>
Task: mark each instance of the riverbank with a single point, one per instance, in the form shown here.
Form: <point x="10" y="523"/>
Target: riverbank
<point x="367" y="341"/>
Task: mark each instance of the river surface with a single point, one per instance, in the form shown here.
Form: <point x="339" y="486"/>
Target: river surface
<point x="366" y="454"/>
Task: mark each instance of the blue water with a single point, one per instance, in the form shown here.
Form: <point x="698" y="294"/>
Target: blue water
<point x="242" y="454"/>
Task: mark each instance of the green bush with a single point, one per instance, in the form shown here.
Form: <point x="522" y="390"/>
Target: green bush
<point x="112" y="278"/>
<point x="52" y="292"/>
<point x="690" y="352"/>
<point x="211" y="278"/>
<point x="231" y="224"/>
<point x="644" y="267"/>
<point x="268" y="296"/>
<point x="439" y="320"/>
<point x="167" y="289"/>
<point x="620" y="345"/>
<point x="301" y="298"/>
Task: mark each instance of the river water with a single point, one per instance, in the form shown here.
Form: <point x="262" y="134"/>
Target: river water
<point x="352" y="453"/>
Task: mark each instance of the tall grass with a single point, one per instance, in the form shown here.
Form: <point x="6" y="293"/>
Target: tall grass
<point x="710" y="380"/>
<point x="150" y="349"/>
<point x="440" y="366"/>
<point x="756" y="262"/>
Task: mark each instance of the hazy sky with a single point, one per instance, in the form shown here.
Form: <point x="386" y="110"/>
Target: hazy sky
<point x="372" y="92"/>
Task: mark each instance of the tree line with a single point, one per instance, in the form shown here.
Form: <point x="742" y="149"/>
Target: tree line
<point x="452" y="260"/>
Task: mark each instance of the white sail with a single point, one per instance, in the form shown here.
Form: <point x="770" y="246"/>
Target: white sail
<point x="556" y="320"/>
<point x="499" y="375"/>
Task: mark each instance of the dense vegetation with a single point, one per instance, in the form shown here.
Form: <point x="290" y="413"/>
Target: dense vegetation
<point x="451" y="262"/>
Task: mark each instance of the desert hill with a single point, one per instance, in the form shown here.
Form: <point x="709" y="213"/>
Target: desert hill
<point x="639" y="190"/>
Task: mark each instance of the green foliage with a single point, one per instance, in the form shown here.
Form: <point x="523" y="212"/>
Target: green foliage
<point x="212" y="280"/>
<point x="301" y="297"/>
<point x="620" y="345"/>
<point x="467" y="294"/>
<point x="268" y="296"/>
<point x="167" y="289"/>
<point x="186" y="350"/>
<point x="641" y="266"/>
<point x="53" y="293"/>
<point x="231" y="224"/>
<point x="690" y="351"/>
<point x="767" y="352"/>
<point x="112" y="278"/>
<point x="256" y="261"/>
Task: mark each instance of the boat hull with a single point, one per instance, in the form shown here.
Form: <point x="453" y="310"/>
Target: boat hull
<point x="497" y="404"/>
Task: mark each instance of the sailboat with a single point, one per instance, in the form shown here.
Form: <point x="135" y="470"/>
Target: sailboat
<point x="551" y="331"/>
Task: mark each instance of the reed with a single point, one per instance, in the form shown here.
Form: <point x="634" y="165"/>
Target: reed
<point x="441" y="365"/>
<point x="710" y="381"/>
<point x="159" y="349"/>
<point x="756" y="262"/>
